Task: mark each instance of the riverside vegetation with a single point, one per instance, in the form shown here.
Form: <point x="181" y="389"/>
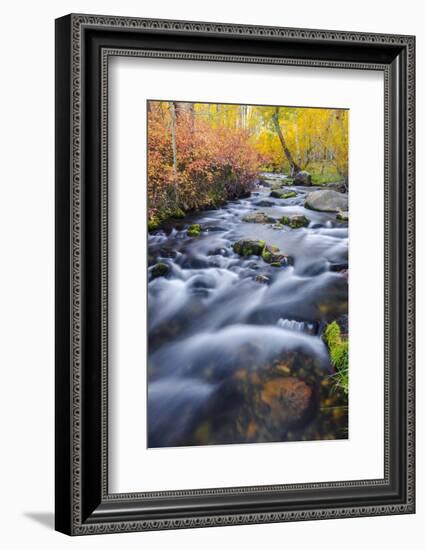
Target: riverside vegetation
<point x="248" y="274"/>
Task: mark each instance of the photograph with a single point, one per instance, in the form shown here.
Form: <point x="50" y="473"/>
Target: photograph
<point x="248" y="273"/>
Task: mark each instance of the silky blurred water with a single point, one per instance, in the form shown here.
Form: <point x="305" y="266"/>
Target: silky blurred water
<point x="223" y="342"/>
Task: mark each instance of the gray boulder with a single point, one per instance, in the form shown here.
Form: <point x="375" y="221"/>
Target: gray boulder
<point x="326" y="200"/>
<point x="302" y="178"/>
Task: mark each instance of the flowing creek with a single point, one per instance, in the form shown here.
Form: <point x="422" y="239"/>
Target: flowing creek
<point x="235" y="348"/>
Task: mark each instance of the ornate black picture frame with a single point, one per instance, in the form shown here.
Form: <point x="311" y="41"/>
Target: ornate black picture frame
<point x="83" y="45"/>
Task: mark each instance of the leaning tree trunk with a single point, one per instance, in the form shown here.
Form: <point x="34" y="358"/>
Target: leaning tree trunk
<point x="294" y="167"/>
<point x="174" y="147"/>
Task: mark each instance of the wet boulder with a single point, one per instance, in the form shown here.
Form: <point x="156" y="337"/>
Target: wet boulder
<point x="249" y="247"/>
<point x="302" y="178"/>
<point x="295" y="221"/>
<point x="258" y="217"/>
<point x="326" y="200"/>
<point x="160" y="270"/>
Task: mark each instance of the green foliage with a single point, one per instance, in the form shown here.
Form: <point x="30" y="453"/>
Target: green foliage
<point x="339" y="354"/>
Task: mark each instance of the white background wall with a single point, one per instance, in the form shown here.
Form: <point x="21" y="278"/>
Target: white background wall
<point x="27" y="261"/>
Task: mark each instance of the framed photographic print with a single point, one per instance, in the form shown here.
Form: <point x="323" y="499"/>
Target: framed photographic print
<point x="234" y="274"/>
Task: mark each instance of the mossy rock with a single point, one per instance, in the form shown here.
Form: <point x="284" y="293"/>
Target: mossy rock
<point x="343" y="216"/>
<point x="295" y="221"/>
<point x="289" y="195"/>
<point x="194" y="230"/>
<point x="281" y="195"/>
<point x="249" y="247"/>
<point x="160" y="270"/>
<point x="272" y="255"/>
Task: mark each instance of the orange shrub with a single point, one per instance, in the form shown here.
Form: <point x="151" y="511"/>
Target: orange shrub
<point x="213" y="164"/>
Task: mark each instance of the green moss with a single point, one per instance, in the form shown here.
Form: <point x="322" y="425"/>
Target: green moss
<point x="266" y="255"/>
<point x="249" y="247"/>
<point x="194" y="230"/>
<point x="289" y="195"/>
<point x="272" y="255"/>
<point x="339" y="354"/>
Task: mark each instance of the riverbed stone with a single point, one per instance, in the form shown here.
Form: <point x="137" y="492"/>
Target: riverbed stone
<point x="295" y="221"/>
<point x="258" y="217"/>
<point x="264" y="203"/>
<point x="303" y="178"/>
<point x="249" y="247"/>
<point x="327" y="200"/>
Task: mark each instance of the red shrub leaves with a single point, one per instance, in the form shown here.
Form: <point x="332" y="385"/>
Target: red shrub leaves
<point x="213" y="163"/>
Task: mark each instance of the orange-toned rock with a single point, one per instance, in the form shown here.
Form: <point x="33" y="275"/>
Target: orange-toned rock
<point x="288" y="398"/>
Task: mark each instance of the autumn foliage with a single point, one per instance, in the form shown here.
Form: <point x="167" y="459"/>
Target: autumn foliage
<point x="212" y="163"/>
<point x="200" y="154"/>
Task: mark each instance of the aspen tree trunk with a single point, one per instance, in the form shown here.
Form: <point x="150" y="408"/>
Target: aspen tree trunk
<point x="293" y="165"/>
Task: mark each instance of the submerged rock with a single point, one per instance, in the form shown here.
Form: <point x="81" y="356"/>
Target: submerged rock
<point x="258" y="217"/>
<point x="327" y="200"/>
<point x="249" y="247"/>
<point x="303" y="178"/>
<point x="194" y="230"/>
<point x="295" y="221"/>
<point x="264" y="203"/>
<point x="159" y="270"/>
<point x="288" y="398"/>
